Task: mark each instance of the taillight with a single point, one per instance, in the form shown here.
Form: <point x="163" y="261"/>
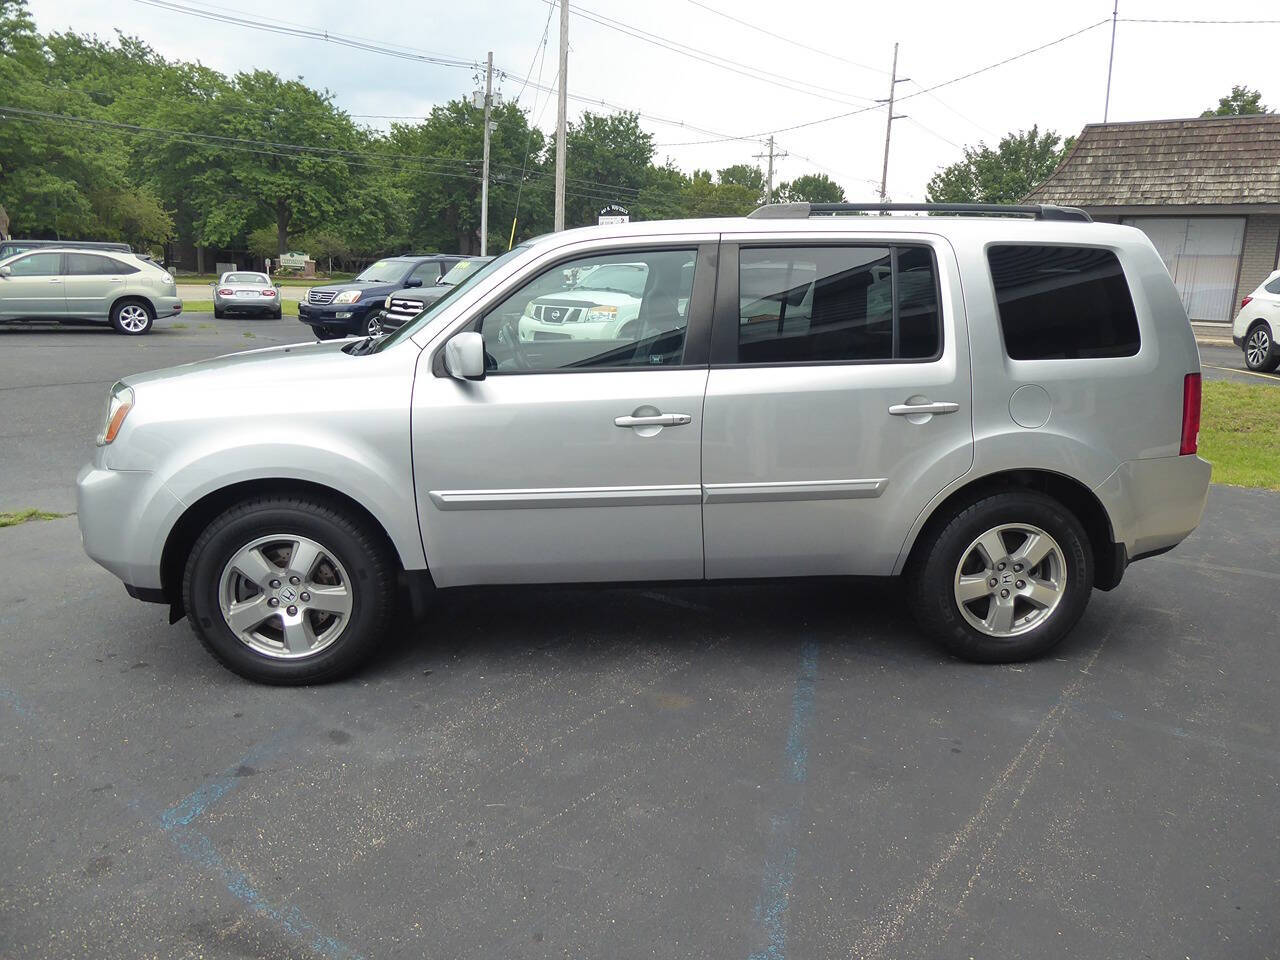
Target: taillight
<point x="224" y="292"/>
<point x="1190" y="413"/>
<point x="268" y="292"/>
<point x="1245" y="302"/>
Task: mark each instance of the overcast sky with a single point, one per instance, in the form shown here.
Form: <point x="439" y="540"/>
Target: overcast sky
<point x="1161" y="70"/>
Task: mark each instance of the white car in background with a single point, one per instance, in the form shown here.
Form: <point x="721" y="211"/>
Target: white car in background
<point x="596" y="305"/>
<point x="1255" y="326"/>
<point x="246" y="291"/>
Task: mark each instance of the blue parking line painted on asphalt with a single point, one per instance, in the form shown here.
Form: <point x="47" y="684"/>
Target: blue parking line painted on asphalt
<point x="780" y="862"/>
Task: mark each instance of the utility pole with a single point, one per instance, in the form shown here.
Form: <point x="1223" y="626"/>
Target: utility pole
<point x="768" y="195"/>
<point x="561" y="110"/>
<point x="894" y="80"/>
<point x="1106" y="106"/>
<point x="484" y="183"/>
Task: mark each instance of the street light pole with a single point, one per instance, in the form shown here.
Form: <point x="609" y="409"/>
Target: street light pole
<point x="561" y="110"/>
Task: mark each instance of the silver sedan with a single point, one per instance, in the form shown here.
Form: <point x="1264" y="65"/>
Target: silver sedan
<point x="246" y="292"/>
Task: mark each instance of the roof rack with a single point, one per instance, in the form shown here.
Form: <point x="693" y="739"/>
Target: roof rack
<point x="804" y="210"/>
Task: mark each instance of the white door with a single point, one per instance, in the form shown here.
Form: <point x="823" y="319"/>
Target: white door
<point x="1202" y="255"/>
<point x="577" y="457"/>
<point x="835" y="410"/>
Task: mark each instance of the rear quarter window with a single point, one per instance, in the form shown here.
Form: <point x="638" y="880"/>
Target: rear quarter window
<point x="1062" y="303"/>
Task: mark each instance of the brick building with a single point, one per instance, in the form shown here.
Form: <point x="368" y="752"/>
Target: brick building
<point x="1207" y="192"/>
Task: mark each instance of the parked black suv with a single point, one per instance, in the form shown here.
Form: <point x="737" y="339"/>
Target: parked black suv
<point x="348" y="309"/>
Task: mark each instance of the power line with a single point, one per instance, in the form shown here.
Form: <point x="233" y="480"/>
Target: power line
<point x="939" y="86"/>
<point x="733" y="66"/>
<point x="776" y="36"/>
<point x="1206" y="22"/>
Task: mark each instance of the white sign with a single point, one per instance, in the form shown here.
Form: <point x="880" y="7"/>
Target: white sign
<point x="293" y="261"/>
<point x="614" y="213"/>
<point x="614" y="218"/>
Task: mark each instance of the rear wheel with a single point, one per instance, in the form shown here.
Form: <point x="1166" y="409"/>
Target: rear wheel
<point x="1260" y="349"/>
<point x="132" y="317"/>
<point x="278" y="313"/>
<point x="218" y="313"/>
<point x="1005" y="579"/>
<point x="289" y="591"/>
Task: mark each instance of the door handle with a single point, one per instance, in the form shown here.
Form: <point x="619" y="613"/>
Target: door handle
<point x="910" y="409"/>
<point x="55" y="279"/>
<point x="657" y="420"/>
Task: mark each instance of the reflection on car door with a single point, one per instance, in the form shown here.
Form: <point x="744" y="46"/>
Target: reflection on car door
<point x="34" y="288"/>
<point x="811" y="465"/>
<point x="573" y="464"/>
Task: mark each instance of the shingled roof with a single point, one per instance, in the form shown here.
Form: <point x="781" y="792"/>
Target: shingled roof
<point x="1213" y="160"/>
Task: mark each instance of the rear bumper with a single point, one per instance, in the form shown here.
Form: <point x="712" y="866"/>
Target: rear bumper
<point x="167" y="306"/>
<point x="1154" y="504"/>
<point x="262" y="305"/>
<point x="125" y="517"/>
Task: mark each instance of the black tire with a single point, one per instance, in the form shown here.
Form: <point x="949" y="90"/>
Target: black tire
<point x="360" y="549"/>
<point x="323" y="333"/>
<point x="934" y="575"/>
<point x="279" y="312"/>
<point x="1260" y="351"/>
<point x="132" y="317"/>
<point x="218" y="314"/>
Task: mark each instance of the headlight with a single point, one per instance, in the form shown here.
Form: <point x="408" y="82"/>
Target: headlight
<point x="596" y="314"/>
<point x="347" y="296"/>
<point x="119" y="403"/>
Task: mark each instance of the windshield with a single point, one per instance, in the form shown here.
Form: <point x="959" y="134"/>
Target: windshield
<point x="384" y="271"/>
<point x="425" y="317"/>
<point x="257" y="278"/>
<point x="462" y="269"/>
<point x="625" y="278"/>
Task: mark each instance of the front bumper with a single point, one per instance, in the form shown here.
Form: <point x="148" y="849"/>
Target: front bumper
<point x="346" y="317"/>
<point x="1238" y="341"/>
<point x="1154" y="504"/>
<point x="125" y="517"/>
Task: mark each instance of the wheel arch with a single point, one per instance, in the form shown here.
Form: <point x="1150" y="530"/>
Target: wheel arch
<point x="184" y="533"/>
<point x="1108" y="557"/>
<point x="141" y="298"/>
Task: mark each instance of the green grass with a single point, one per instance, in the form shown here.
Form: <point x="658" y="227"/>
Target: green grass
<point x="335" y="277"/>
<point x="249" y="334"/>
<point x="13" y="518"/>
<point x="206" y="306"/>
<point x="1240" y="433"/>
<point x="178" y="326"/>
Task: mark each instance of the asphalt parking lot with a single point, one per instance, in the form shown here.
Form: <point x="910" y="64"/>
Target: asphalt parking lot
<point x="767" y="771"/>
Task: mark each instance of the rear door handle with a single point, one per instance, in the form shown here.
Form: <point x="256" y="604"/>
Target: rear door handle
<point x="657" y="420"/>
<point x="909" y="409"/>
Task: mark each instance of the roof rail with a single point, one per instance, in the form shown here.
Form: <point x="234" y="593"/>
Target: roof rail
<point x="803" y="210"/>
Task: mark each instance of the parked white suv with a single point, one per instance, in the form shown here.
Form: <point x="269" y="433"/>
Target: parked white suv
<point x="1255" y="326"/>
<point x="1002" y="409"/>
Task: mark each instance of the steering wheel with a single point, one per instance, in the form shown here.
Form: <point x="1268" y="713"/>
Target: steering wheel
<point x="509" y="335"/>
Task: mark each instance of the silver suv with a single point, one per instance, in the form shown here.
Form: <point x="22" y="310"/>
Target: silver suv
<point x="1001" y="409"/>
<point x="95" y="286"/>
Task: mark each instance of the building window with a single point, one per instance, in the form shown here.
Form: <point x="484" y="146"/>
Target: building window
<point x="1202" y="254"/>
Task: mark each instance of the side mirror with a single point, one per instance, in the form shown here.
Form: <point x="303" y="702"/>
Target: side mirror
<point x="6" y="271"/>
<point x="413" y="282"/>
<point x="464" y="357"/>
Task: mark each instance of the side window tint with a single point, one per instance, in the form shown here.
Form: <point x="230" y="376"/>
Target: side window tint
<point x="428" y="273"/>
<point x="838" y="303"/>
<point x="1061" y="303"/>
<point x="614" y="310"/>
<point x="90" y="264"/>
<point x="37" y="265"/>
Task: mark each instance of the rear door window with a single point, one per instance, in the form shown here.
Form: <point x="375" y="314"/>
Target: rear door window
<point x="91" y="265"/>
<point x="836" y="304"/>
<point x="1062" y="303"/>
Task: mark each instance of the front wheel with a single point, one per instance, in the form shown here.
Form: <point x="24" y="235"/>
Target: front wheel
<point x="1005" y="579"/>
<point x="132" y="318"/>
<point x="286" y="590"/>
<point x="1260" y="352"/>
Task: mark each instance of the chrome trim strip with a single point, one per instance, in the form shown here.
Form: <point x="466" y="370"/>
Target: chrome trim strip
<point x="523" y="499"/>
<point x="793" y="490"/>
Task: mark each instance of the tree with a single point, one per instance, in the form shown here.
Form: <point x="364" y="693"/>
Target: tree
<point x="608" y="157"/>
<point x="813" y="187"/>
<point x="743" y="175"/>
<point x="1023" y="160"/>
<point x="1240" y="102"/>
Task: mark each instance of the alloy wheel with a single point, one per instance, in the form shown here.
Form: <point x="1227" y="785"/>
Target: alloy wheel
<point x="285" y="596"/>
<point x="1257" y="347"/>
<point x="133" y="318"/>
<point x="1010" y="580"/>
